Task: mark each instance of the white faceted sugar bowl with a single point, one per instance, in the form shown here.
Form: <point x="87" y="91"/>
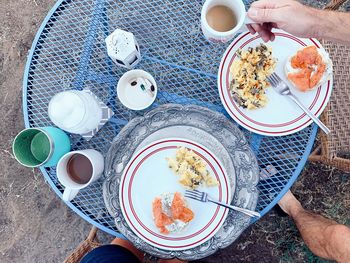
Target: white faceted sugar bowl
<point x="123" y="49"/>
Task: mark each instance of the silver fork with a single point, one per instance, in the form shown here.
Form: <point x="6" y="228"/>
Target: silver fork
<point x="282" y="88"/>
<point x="204" y="197"/>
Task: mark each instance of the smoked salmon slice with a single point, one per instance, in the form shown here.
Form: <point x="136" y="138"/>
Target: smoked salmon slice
<point x="310" y="68"/>
<point x="160" y="218"/>
<point x="178" y="211"/>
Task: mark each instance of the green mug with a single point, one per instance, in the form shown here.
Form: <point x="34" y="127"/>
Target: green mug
<point x="43" y="146"/>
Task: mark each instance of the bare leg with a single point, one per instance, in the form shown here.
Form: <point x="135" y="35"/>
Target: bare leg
<point x="325" y="238"/>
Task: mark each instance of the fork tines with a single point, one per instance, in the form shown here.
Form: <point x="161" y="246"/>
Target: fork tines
<point x="194" y="194"/>
<point x="274" y="79"/>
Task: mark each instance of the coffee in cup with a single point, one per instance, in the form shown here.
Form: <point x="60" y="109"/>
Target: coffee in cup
<point x="221" y="20"/>
<point x="78" y="169"/>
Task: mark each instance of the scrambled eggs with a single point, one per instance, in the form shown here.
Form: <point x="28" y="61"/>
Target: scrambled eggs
<point x="191" y="168"/>
<point x="249" y="74"/>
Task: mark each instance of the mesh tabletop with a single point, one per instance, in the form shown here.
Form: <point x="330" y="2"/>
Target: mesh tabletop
<point x="69" y="53"/>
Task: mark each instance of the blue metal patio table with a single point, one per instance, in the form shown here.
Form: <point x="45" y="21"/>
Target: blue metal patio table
<point x="69" y="52"/>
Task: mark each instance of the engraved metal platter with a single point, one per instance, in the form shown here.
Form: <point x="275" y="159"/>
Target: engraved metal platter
<point x="211" y="129"/>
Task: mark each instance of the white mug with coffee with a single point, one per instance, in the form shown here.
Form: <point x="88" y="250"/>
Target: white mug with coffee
<point x="221" y="20"/>
<point x="78" y="169"/>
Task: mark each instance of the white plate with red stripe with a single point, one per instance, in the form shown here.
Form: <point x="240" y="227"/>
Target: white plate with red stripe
<point x="280" y="116"/>
<point x="147" y="176"/>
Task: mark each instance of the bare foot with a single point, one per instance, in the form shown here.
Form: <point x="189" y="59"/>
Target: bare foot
<point x="289" y="204"/>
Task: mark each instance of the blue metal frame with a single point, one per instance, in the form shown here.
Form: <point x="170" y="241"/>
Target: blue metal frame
<point x="85" y="56"/>
<point x="256" y="139"/>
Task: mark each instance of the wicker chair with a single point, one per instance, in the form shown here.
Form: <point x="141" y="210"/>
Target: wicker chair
<point x="335" y="148"/>
<point x="84" y="247"/>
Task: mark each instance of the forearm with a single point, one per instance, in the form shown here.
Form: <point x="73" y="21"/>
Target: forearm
<point x="334" y="26"/>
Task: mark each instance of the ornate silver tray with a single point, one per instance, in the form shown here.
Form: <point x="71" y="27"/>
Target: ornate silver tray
<point x="208" y="128"/>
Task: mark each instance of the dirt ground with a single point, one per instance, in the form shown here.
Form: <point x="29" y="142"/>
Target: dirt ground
<point x="36" y="226"/>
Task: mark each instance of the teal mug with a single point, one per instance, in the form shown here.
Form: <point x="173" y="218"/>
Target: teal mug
<point x="42" y="146"/>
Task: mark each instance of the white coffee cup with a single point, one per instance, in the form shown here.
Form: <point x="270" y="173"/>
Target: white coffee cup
<point x="238" y="8"/>
<point x="71" y="187"/>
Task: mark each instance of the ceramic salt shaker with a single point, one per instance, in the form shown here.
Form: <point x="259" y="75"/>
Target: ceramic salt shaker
<point x="123" y="49"/>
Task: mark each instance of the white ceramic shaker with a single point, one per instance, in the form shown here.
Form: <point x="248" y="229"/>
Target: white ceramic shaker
<point x="123" y="49"/>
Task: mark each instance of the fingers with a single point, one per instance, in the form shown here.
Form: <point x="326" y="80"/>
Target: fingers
<point x="264" y="31"/>
<point x="251" y="29"/>
<point x="269" y="4"/>
<point x="268" y="14"/>
<point x="262" y="15"/>
<point x="274" y="25"/>
<point x="268" y="27"/>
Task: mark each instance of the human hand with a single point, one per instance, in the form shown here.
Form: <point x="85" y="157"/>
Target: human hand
<point x="288" y="15"/>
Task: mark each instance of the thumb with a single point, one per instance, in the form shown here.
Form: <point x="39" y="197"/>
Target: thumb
<point x="262" y="15"/>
